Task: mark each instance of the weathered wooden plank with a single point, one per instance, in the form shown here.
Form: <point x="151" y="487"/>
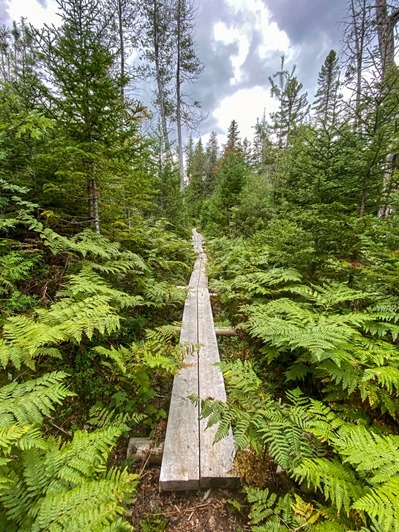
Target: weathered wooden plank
<point x="180" y="463"/>
<point x="191" y="459"/>
<point x="219" y="331"/>
<point x="216" y="459"/>
<point x="197" y="241"/>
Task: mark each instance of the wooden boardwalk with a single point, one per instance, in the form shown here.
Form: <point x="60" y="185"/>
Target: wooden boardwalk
<point x="191" y="460"/>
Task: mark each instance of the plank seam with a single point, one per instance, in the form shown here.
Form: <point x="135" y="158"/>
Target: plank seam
<point x="198" y="375"/>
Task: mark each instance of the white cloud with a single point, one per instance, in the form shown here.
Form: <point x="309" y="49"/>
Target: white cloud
<point x="245" y="106"/>
<point x="254" y="17"/>
<point x="34" y="13"/>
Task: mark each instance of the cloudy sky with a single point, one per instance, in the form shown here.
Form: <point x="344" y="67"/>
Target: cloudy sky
<point x="240" y="43"/>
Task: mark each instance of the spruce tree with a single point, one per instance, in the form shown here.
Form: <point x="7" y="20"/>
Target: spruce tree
<point x="211" y="159"/>
<point x="196" y="192"/>
<point x="293" y="108"/>
<point x="262" y="146"/>
<point x="93" y="124"/>
<point x="188" y="68"/>
<point x="326" y="101"/>
<point x="233" y="137"/>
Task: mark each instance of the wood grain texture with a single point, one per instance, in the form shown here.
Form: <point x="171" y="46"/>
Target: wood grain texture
<point x="180" y="462"/>
<point x="191" y="460"/>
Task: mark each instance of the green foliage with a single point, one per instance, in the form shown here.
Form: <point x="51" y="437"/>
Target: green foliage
<point x="85" y="292"/>
<point x="154" y="523"/>
<point x="217" y="212"/>
<point x="66" y="486"/>
<point x="340" y="343"/>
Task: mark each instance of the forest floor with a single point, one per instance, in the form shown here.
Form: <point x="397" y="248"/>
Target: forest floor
<point x="194" y="511"/>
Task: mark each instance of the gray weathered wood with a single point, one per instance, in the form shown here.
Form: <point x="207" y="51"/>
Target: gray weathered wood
<point x="179" y="469"/>
<point x="216" y="459"/>
<point x="191" y="458"/>
<point x="144" y="449"/>
<point x="219" y="331"/>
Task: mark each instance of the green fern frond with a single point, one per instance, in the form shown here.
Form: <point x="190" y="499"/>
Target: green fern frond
<point x="14" y="267"/>
<point x="66" y="320"/>
<point x="265" y="282"/>
<point x="340" y="371"/>
<point x="387" y="310"/>
<point x="101" y="417"/>
<point x="331" y="294"/>
<point x="373" y="455"/>
<point x="13" y="354"/>
<point x="9" y="435"/>
<point x="160" y="293"/>
<point x="83" y="244"/>
<point x="323" y="422"/>
<point x="165" y="333"/>
<point x="335" y="480"/>
<point x="93" y="505"/>
<point x="382" y="505"/>
<point x="386" y="376"/>
<point x="87" y="282"/>
<point x="119" y="356"/>
<point x="270" y="512"/>
<point x="28" y="403"/>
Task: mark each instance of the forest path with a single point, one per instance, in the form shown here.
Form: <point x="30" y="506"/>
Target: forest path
<point x="191" y="460"/>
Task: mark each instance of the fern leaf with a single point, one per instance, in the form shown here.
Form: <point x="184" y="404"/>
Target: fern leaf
<point x="93" y="505"/>
<point x="29" y="402"/>
<point x="381" y="504"/>
<point x="386" y="376"/>
<point x="337" y="481"/>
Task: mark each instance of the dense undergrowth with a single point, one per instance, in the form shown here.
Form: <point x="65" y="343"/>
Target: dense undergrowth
<point x="313" y="380"/>
<point x="86" y="357"/>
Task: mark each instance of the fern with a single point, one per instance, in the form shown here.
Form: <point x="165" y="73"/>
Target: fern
<point x="28" y="403"/>
<point x="261" y="283"/>
<point x="87" y="282"/>
<point x="270" y="512"/>
<point x="337" y="481"/>
<point x="101" y="417"/>
<point x="93" y="505"/>
<point x="382" y="505"/>
<point x="61" y="481"/>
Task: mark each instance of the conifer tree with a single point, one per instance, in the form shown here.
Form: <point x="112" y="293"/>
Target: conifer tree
<point x="86" y="98"/>
<point x="22" y="109"/>
<point x="197" y="185"/>
<point x="262" y="146"/>
<point x="211" y="159"/>
<point x="157" y="41"/>
<point x="188" y="68"/>
<point x="293" y="107"/>
<point x="233" y="137"/>
<point x="327" y="96"/>
<point x="291" y="114"/>
<point x="189" y="156"/>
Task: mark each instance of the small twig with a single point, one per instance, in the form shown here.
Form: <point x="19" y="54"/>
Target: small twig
<point x="145" y="463"/>
<point x="61" y="429"/>
<point x="190" y="509"/>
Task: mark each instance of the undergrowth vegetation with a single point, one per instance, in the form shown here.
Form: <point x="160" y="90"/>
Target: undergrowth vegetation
<point x="86" y="357"/>
<point x="319" y="392"/>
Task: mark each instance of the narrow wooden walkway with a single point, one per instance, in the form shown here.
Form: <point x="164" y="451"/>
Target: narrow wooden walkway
<point x="191" y="460"/>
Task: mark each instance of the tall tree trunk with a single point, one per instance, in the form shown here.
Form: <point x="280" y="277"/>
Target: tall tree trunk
<point x="92" y="195"/>
<point x="121" y="47"/>
<point x="386" y="43"/>
<point x="178" y="98"/>
<point x="359" y="37"/>
<point x="159" y="76"/>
